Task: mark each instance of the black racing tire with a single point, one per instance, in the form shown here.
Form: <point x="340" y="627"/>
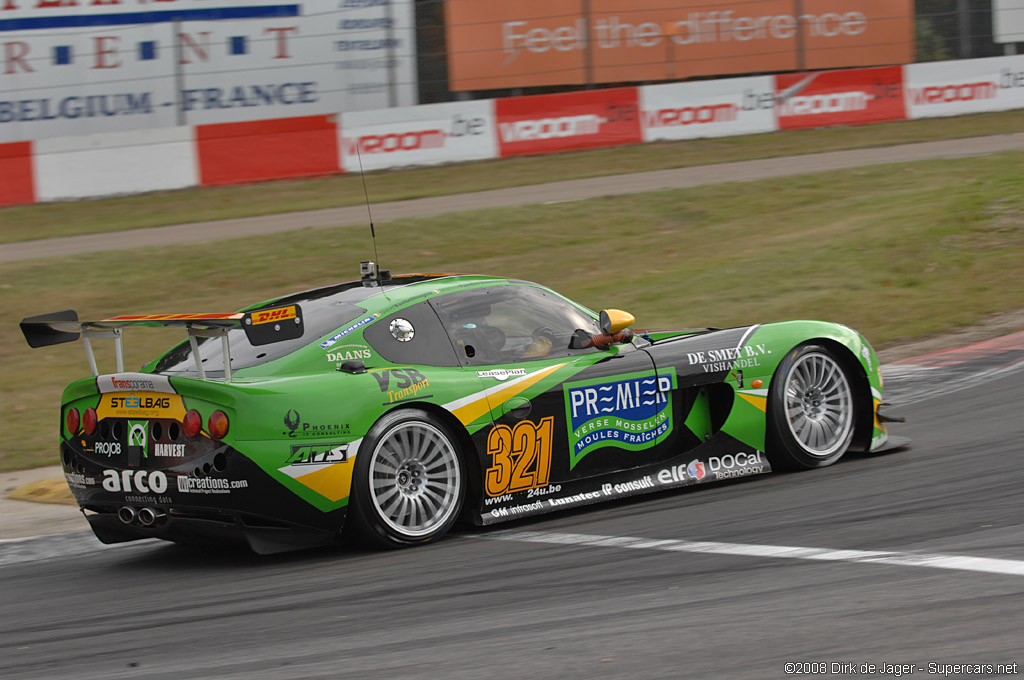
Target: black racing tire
<point x="409" y="481"/>
<point x="811" y="409"/>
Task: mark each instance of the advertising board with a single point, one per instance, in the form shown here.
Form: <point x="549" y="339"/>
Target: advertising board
<point x="420" y="135"/>
<point x="853" y="97"/>
<point x="73" y="68"/>
<point x="553" y="42"/>
<point x="571" y="120"/>
<point x="708" y="108"/>
<point x="954" y="88"/>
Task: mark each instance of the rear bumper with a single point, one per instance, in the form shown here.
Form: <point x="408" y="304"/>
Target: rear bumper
<point x="214" y="496"/>
<point x="201" y="526"/>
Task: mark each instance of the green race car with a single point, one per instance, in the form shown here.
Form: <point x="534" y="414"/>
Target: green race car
<point x="394" y="406"/>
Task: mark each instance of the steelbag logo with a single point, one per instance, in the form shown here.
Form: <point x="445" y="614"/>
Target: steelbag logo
<point x="633" y="411"/>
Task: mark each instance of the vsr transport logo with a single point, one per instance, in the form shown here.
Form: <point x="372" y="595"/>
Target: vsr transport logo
<point x="632" y="411"/>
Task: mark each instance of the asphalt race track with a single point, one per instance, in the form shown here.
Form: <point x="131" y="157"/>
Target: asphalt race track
<point x="718" y="595"/>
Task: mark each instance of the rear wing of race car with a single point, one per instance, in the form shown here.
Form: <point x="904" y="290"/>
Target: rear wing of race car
<point x="262" y="327"/>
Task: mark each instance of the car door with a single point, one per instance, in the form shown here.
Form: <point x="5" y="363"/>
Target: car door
<point x="559" y="414"/>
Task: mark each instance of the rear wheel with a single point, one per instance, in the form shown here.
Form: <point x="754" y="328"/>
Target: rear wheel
<point x="410" y="480"/>
<point x="812" y="409"/>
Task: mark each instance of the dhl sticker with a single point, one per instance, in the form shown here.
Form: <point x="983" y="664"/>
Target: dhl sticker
<point x="268" y="315"/>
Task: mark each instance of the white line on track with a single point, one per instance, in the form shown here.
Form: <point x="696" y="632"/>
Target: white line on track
<point x="988" y="565"/>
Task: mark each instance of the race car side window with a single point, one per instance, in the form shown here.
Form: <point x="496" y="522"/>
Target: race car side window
<point x="511" y="323"/>
<point x="413" y="335"/>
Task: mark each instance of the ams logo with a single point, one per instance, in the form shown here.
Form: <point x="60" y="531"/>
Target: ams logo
<point x="318" y="453"/>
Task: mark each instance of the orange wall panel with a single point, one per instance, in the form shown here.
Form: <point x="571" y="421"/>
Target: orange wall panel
<point x="530" y="43"/>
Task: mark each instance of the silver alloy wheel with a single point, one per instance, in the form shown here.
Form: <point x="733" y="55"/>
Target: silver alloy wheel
<point x="415" y="479"/>
<point x="819" y="404"/>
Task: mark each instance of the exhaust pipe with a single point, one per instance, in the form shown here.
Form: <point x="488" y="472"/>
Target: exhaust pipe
<point x="148" y="516"/>
<point x="126" y="514"/>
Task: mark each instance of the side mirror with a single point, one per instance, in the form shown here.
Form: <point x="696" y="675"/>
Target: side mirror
<point x="615" y="320"/>
<point x="580" y="340"/>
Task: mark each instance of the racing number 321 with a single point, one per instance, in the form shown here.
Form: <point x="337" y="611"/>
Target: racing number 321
<point x="520" y="456"/>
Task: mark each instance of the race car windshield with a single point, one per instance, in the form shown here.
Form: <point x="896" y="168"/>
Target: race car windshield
<point x="323" y="310"/>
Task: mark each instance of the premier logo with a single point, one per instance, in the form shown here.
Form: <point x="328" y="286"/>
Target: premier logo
<point x="632" y="412"/>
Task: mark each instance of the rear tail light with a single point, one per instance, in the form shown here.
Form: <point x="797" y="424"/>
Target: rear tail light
<point x="217" y="424"/>
<point x="192" y="424"/>
<point x="89" y="420"/>
<point x="71" y="421"/>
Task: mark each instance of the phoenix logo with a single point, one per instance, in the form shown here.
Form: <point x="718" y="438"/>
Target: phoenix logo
<point x="292" y="420"/>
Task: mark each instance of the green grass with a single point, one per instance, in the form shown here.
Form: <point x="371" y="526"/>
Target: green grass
<point x="896" y="251"/>
<point x="22" y="223"/>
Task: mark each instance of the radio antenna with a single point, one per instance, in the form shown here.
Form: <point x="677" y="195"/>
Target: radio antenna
<point x="372" y="274"/>
<point x="366" y="194"/>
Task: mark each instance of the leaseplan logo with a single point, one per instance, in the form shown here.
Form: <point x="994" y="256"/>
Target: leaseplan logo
<point x="632" y="411"/>
<point x="501" y="374"/>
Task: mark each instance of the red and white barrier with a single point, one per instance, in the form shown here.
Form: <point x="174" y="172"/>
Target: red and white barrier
<point x="114" y="163"/>
<point x="853" y="97"/>
<point x="571" y="120"/>
<point x="955" y="88"/>
<point x="418" y="135"/>
<point x="711" y="108"/>
<point x="231" y="153"/>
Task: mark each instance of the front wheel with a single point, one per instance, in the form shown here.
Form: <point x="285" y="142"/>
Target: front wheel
<point x="409" y="481"/>
<point x="811" y="409"/>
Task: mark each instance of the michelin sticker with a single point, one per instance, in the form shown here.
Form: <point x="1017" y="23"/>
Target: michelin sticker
<point x="330" y="342"/>
<point x="632" y="412"/>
